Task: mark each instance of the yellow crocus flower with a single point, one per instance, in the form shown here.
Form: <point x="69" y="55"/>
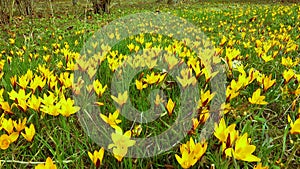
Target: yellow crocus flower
<point x="257" y="98"/>
<point x="48" y="165"/>
<point x="205" y="98"/>
<point x="97" y="157"/>
<point x="295" y="126"/>
<point x="67" y="107"/>
<point x="170" y="106"/>
<point x="121" y="99"/>
<point x="29" y="133"/>
<point x="20" y="125"/>
<point x="34" y="103"/>
<point x="288" y="75"/>
<point x="6" y="140"/>
<point x="242" y="150"/>
<point x="8" y="125"/>
<point x="226" y="134"/>
<point x="99" y="88"/>
<point x="121" y="143"/>
<point x="190" y="153"/>
<point x="140" y="85"/>
<point x="259" y="166"/>
<point x="268" y="82"/>
<point x="112" y="119"/>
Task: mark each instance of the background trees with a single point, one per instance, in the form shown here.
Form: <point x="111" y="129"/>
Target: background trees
<point x="9" y="7"/>
<point x="101" y="6"/>
<point x="4" y="12"/>
<point x="170" y="1"/>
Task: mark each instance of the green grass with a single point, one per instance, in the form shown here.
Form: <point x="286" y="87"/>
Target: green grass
<point x="64" y="140"/>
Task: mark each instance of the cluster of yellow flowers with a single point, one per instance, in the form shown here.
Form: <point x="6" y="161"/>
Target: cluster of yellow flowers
<point x="228" y="135"/>
<point x="248" y="48"/>
<point x="13" y="129"/>
<point x="191" y="153"/>
<point x="40" y="89"/>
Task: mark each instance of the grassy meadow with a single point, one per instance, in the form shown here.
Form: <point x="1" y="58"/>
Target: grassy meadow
<point x="257" y="44"/>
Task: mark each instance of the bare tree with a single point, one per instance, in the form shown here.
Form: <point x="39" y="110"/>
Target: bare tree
<point x="25" y="7"/>
<point x="74" y="2"/>
<point x="170" y="1"/>
<point x="100" y="6"/>
<point x="5" y="11"/>
<point x="8" y="9"/>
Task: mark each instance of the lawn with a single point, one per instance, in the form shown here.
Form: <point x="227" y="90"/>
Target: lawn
<point x="209" y="84"/>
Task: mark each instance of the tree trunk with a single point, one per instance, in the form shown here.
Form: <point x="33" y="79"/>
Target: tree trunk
<point x="5" y="11"/>
<point x="107" y="6"/>
<point x="100" y="6"/>
<point x="170" y="1"/>
<point x="25" y="7"/>
<point x="74" y="2"/>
